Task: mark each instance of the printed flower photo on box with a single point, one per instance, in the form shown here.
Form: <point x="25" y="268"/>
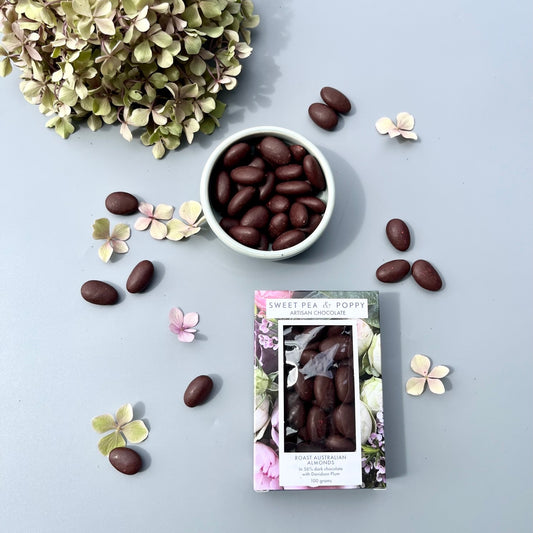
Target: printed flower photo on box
<point x="306" y="346"/>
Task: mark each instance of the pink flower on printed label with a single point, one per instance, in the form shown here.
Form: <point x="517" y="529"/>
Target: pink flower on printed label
<point x="262" y="296"/>
<point x="266" y="468"/>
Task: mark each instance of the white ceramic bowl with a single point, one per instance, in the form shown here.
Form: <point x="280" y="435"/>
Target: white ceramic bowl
<point x="213" y="217"/>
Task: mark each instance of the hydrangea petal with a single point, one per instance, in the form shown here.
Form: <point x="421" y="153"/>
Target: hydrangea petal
<point x="191" y="230"/>
<point x="103" y="423"/>
<point x="436" y="386"/>
<point x="101" y="228"/>
<point x="106" y="26"/>
<point x="190" y="211"/>
<point x="142" y="223"/>
<point x="409" y="135"/>
<point x="164" y="212"/>
<point x="124" y="414"/>
<point x="415" y="386"/>
<point x="110" y="442"/>
<point x="120" y="247"/>
<point x="190" y="320"/>
<point x="186" y="336"/>
<point x="122" y="232"/>
<point x="105" y="252"/>
<point x="395" y="132"/>
<point x="174" y="328"/>
<point x="384" y="125"/>
<point x="135" y="431"/>
<point x="176" y="316"/>
<point x="405" y="121"/>
<point x="420" y="364"/>
<point x="176" y="229"/>
<point x="146" y="209"/>
<point x="439" y="371"/>
<point x="158" y="230"/>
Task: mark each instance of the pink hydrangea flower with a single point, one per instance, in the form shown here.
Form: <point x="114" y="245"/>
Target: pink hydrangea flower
<point x="266" y="468"/>
<point x="183" y="325"/>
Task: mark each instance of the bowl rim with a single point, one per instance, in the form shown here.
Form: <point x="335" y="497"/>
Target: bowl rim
<point x="287" y="135"/>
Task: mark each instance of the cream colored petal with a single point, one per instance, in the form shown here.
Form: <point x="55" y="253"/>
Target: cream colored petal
<point x="142" y="223"/>
<point x="405" y="121"/>
<point x="121" y="231"/>
<point x="190" y="211"/>
<point x="436" y="386"/>
<point x="158" y="230"/>
<point x="439" y="371"/>
<point x="124" y="414"/>
<point x="176" y="229"/>
<point x="384" y="125"/>
<point x="163" y="212"/>
<point x="105" y="252"/>
<point x="420" y="364"/>
<point x="409" y="135"/>
<point x="120" y="247"/>
<point x="394" y="133"/>
<point x="191" y="230"/>
<point x="415" y="386"/>
<point x="146" y="209"/>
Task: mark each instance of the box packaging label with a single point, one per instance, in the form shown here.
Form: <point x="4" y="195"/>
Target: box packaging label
<point x="318" y="406"/>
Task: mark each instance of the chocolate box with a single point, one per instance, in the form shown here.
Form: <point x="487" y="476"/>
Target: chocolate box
<point x="318" y="402"/>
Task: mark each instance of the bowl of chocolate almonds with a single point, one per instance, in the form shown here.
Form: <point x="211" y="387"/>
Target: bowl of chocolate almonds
<point x="267" y="192"/>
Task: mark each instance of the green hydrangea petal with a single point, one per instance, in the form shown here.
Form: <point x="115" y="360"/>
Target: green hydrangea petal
<point x="103" y="423"/>
<point x="135" y="431"/>
<point x="110" y="442"/>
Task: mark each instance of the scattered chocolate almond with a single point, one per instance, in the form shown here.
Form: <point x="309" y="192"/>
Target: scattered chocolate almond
<point x="121" y="203"/>
<point x="125" y="460"/>
<point x="336" y="100"/>
<point x="393" y="271"/>
<point x="140" y="276"/>
<point x="99" y="293"/>
<point x="197" y="391"/>
<point x="398" y="234"/>
<point x="426" y="275"/>
<point x="323" y="115"/>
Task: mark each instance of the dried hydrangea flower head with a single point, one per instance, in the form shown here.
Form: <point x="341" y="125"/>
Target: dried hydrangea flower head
<point x="123" y="428"/>
<point x="183" y="325"/>
<point x="404" y="126"/>
<point x="152" y="219"/>
<point x="191" y="213"/>
<point x="149" y="64"/>
<point x="421" y="365"/>
<point x="114" y="240"/>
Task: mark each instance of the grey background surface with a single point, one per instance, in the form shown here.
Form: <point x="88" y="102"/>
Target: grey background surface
<point x="459" y="462"/>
